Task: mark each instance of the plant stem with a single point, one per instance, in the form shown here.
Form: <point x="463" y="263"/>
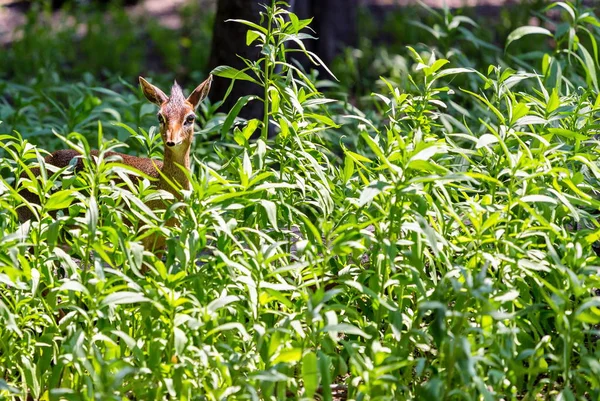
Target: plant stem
<point x="265" y="127"/>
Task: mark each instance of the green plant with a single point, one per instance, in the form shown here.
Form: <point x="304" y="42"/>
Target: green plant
<point x="432" y="242"/>
<point x="574" y="38"/>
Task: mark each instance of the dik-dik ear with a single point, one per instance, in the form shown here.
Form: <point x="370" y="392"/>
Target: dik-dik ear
<point x="200" y="92"/>
<point x="152" y="93"/>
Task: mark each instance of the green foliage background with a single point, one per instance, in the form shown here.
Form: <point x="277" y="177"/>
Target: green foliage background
<point x="427" y="234"/>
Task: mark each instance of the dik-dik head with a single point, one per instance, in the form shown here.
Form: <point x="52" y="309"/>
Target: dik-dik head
<point x="176" y="114"/>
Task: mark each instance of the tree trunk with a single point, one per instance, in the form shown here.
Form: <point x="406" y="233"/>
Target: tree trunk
<point x="335" y="23"/>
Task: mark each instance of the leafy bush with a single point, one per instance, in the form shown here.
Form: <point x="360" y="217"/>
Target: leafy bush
<point x="105" y="43"/>
<point x="435" y="244"/>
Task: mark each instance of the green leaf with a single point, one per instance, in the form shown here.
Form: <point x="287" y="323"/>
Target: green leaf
<point x="288" y="356"/>
<point x="524" y="31"/>
<point x="60" y="200"/>
<point x="348" y="169"/>
<point x="250" y="128"/>
<point x="310" y="374"/>
<point x="91" y="216"/>
<point x="589" y="66"/>
<point x="518" y="111"/>
<point x="252" y="35"/>
<point x="75" y="286"/>
<point x="246" y="166"/>
<point x="553" y="102"/>
<point x="233" y="113"/>
<point x="271" y="209"/>
<point x="345" y="328"/>
<point x="224" y="71"/>
<point x="451" y="71"/>
<point x="324" y="362"/>
<point x="275" y="99"/>
<point x="435" y="67"/>
<point x="424" y="165"/>
<point x="539" y="199"/>
<point x="123" y="297"/>
<point x="565" y="133"/>
<point x="485" y="140"/>
<point x="31" y="377"/>
<point x="238" y="137"/>
<point x="589" y="311"/>
<point x="371" y="191"/>
<point x="567" y="7"/>
<point x="428" y="152"/>
<point x="180" y="340"/>
<point x="250" y="24"/>
<point x="221" y="302"/>
<point x="230" y="326"/>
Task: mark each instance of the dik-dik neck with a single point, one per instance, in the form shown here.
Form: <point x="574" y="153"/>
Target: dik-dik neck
<point x="172" y="169"/>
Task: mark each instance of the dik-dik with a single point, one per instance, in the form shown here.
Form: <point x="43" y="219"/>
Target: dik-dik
<point x="176" y="118"/>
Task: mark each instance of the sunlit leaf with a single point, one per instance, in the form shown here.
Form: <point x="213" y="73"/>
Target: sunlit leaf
<point x="524" y="31"/>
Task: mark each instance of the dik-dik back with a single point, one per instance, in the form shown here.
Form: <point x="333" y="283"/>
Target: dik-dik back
<point x="176" y="117"/>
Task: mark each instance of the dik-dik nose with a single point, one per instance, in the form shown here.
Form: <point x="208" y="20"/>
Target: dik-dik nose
<point x="170" y="144"/>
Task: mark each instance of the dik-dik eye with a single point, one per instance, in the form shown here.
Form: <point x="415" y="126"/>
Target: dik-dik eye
<point x="161" y="119"/>
<point x="190" y="119"/>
